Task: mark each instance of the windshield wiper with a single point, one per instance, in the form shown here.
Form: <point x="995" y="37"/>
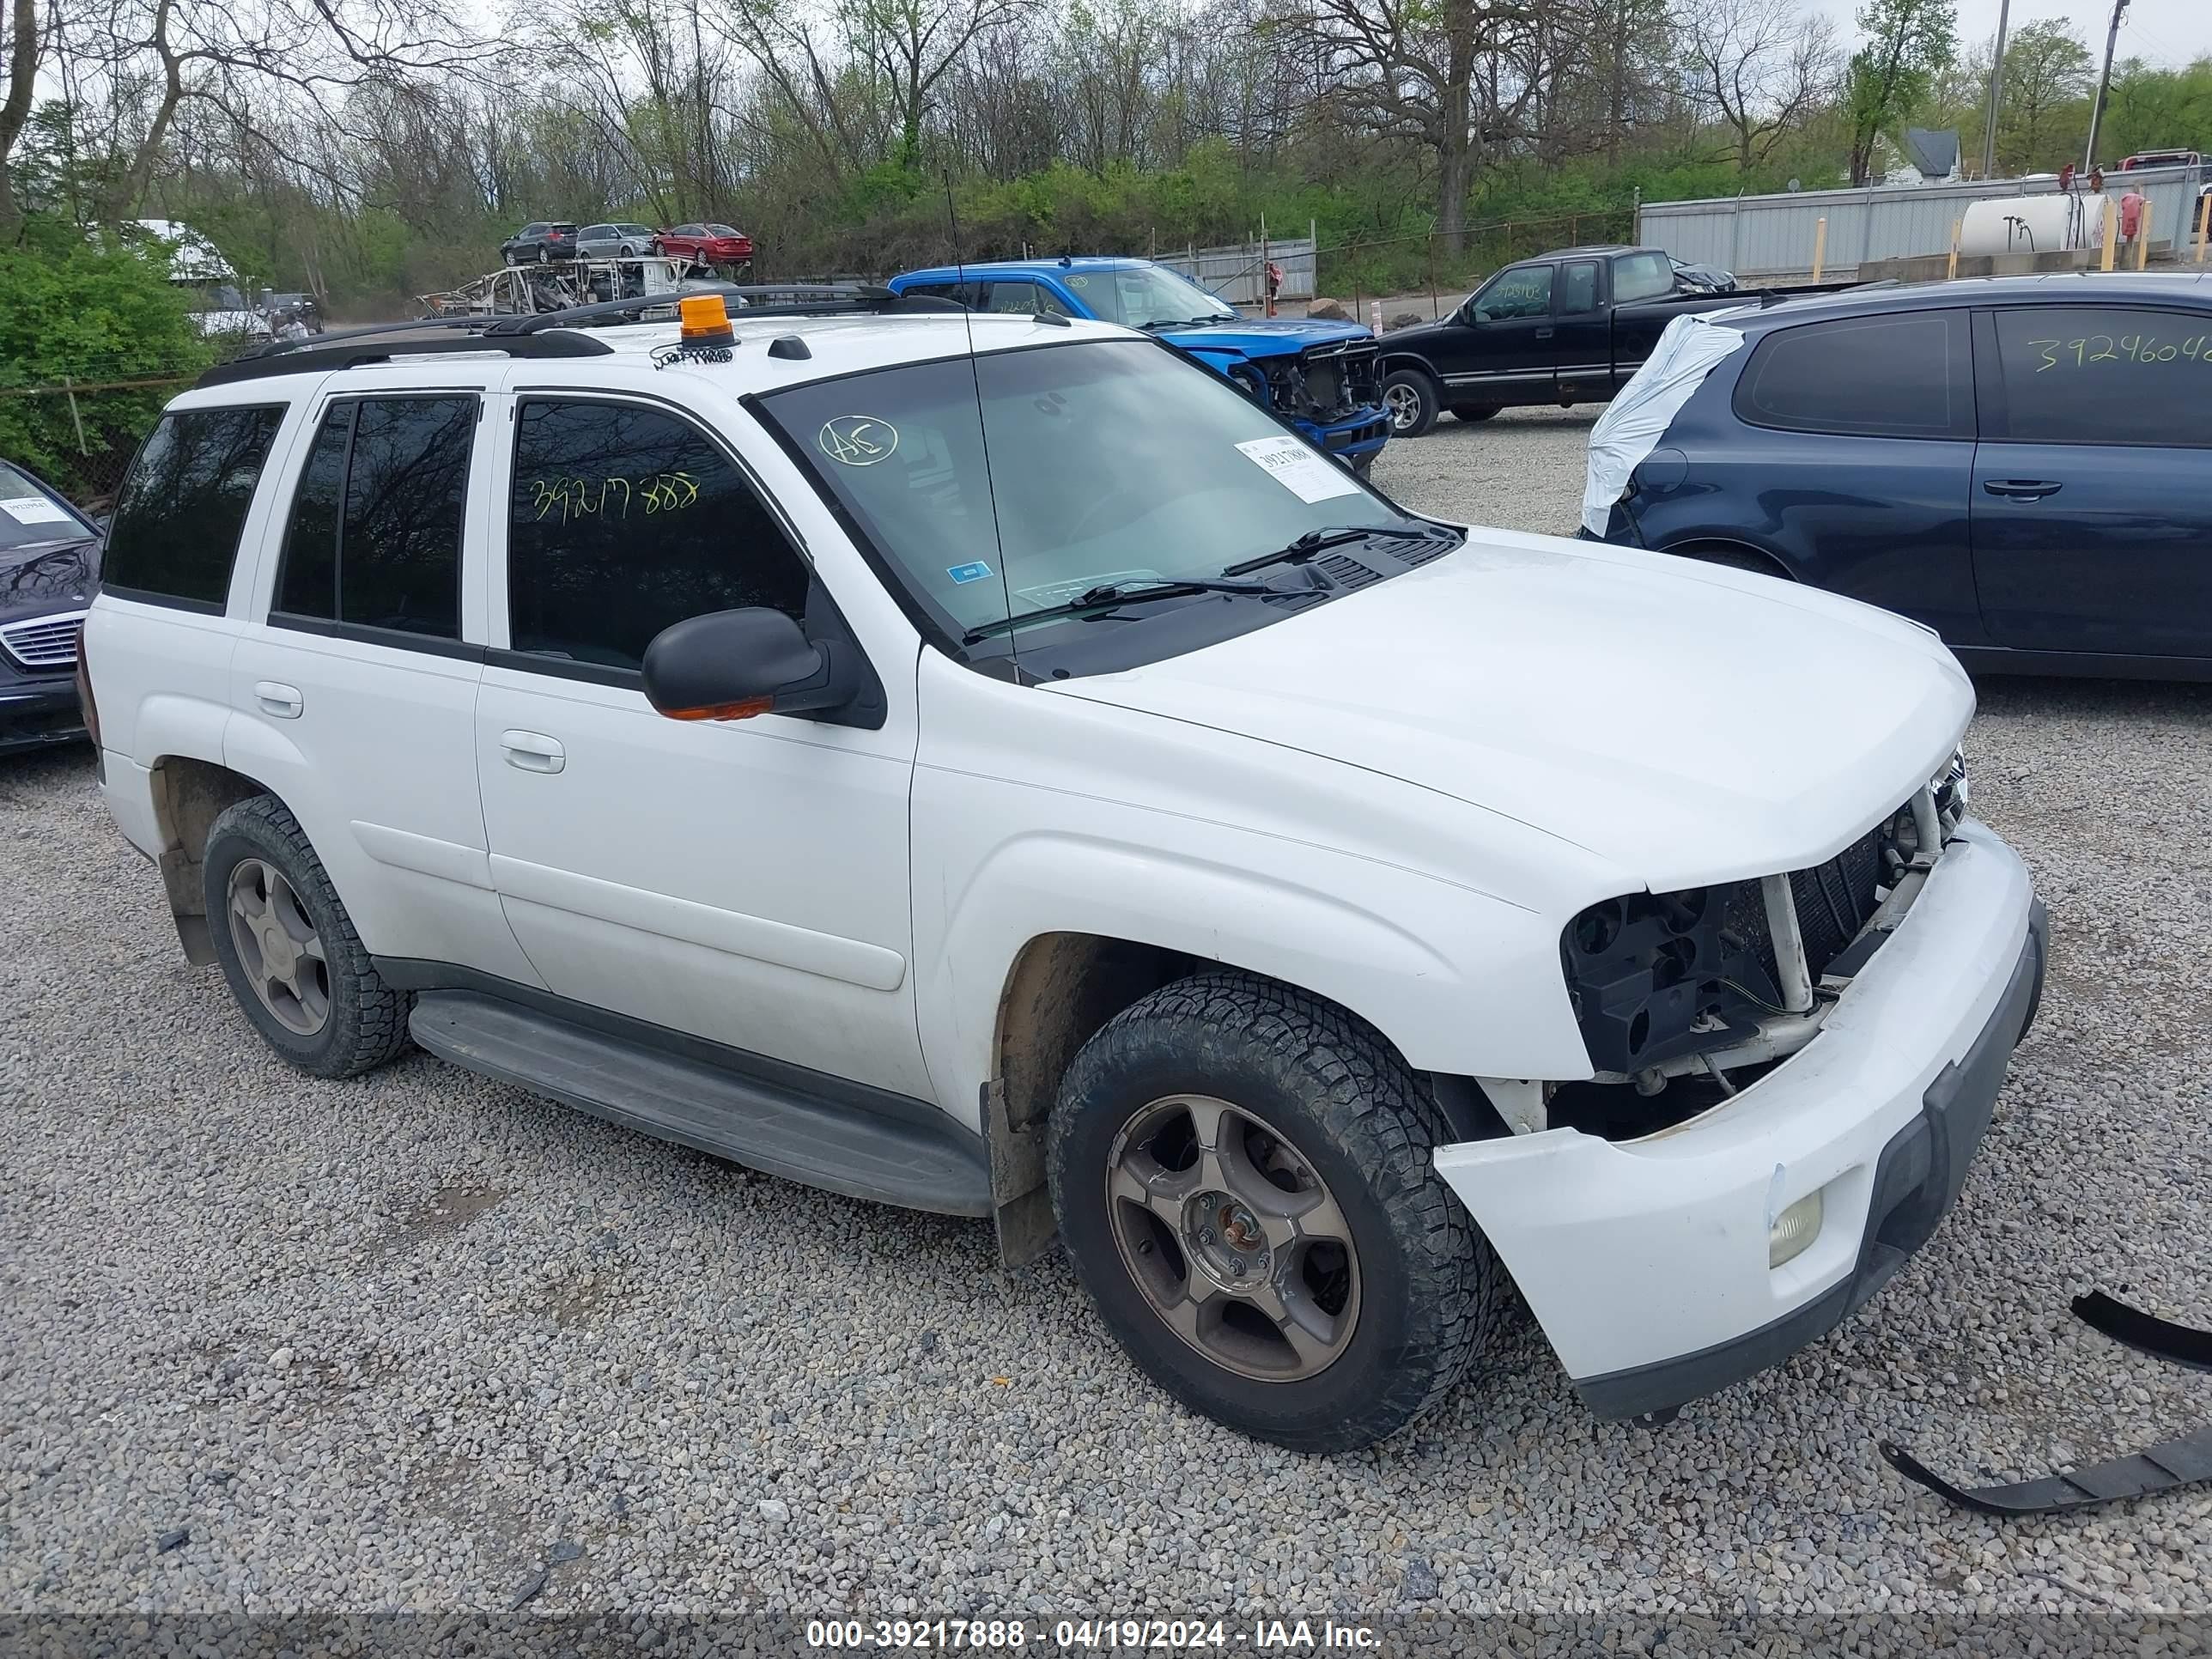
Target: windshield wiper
<point x="1320" y="541"/>
<point x="1185" y="322"/>
<point x="1113" y="593"/>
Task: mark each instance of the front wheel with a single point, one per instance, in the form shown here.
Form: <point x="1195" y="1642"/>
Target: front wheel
<point x="1411" y="396"/>
<point x="1242" y="1176"/>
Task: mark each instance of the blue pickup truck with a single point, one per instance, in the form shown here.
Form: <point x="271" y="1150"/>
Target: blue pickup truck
<point x="1320" y="377"/>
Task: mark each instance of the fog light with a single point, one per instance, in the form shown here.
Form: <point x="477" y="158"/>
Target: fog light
<point x="1794" y="1230"/>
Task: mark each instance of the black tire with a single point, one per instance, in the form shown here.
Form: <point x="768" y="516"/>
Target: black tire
<point x="1735" y="558"/>
<point x="1474" y="411"/>
<point x="1365" y="465"/>
<point x="1430" y="1288"/>
<point x="367" y="1022"/>
<point x="1413" y="399"/>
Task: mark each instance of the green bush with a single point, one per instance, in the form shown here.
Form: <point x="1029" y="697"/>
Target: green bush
<point x="74" y="312"/>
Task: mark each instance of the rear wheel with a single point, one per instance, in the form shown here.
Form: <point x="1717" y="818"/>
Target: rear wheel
<point x="542" y="255"/>
<point x="1242" y="1176"/>
<point x="1411" y="397"/>
<point x="295" y="966"/>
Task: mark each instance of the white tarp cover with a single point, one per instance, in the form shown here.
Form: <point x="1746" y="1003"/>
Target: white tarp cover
<point x="1635" y="420"/>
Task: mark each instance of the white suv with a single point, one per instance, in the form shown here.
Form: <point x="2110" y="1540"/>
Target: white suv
<point x="988" y="765"/>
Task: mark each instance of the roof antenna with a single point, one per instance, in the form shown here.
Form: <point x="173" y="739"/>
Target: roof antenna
<point x="982" y="427"/>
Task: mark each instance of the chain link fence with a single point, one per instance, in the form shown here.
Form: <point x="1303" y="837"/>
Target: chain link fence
<point x="81" y="436"/>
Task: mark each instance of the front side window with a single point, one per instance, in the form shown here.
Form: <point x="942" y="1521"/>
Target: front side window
<point x="181" y="509"/>
<point x="1642" y="276"/>
<point x="1146" y="296"/>
<point x="1109" y="463"/>
<point x="1909" y="375"/>
<point x="623" y="520"/>
<point x="1524" y="292"/>
<point x="374" y="539"/>
<point x="2106" y="374"/>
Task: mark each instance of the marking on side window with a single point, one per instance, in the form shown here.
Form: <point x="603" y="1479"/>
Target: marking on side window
<point x="858" y="439"/>
<point x="583" y="498"/>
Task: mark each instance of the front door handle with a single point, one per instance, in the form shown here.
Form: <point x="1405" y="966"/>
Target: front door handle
<point x="1543" y="333"/>
<point x="533" y="752"/>
<point x="277" y="699"/>
<point x="2020" y="489"/>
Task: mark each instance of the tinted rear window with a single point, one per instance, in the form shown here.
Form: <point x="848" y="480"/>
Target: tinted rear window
<point x="1904" y="376"/>
<point x="180" y="511"/>
<point x="2106" y="374"/>
<point x="1642" y="276"/>
<point x="392" y="558"/>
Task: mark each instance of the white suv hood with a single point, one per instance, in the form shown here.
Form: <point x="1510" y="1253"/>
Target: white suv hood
<point x="1687" y="723"/>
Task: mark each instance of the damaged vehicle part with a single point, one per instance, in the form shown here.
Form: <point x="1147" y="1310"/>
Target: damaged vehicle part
<point x="2161" y="1339"/>
<point x="2170" y="1464"/>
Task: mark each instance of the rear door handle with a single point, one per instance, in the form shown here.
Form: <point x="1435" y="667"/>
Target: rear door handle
<point x="2020" y="489"/>
<point x="1543" y="333"/>
<point x="533" y="752"/>
<point x="278" y="699"/>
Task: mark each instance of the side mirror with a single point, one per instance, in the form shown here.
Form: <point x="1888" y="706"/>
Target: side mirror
<point x="732" y="665"/>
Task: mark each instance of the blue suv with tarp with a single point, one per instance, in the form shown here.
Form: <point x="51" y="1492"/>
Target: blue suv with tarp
<point x="1320" y="377"/>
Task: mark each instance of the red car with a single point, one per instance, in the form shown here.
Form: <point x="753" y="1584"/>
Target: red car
<point x="716" y="244"/>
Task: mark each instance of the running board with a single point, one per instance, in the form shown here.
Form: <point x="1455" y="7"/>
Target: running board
<point x="810" y="1137"/>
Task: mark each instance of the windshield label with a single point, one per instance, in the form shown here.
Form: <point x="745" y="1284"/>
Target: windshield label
<point x="33" y="510"/>
<point x="859" y="439"/>
<point x="969" y="572"/>
<point x="1306" y="475"/>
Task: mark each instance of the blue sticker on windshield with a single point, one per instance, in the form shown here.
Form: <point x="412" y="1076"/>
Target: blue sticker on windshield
<point x="969" y="572"/>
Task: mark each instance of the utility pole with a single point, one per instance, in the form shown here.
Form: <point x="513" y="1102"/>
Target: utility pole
<point x="2104" y="84"/>
<point x="1997" y="94"/>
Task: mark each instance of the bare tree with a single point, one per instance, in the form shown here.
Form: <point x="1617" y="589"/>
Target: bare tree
<point x="1758" y="66"/>
<point x="1433" y="72"/>
<point x="23" y="53"/>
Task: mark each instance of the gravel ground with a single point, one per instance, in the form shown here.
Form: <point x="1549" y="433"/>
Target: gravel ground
<point x="426" y="1342"/>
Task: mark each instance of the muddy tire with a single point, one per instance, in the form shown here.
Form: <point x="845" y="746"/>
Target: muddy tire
<point x="288" y="948"/>
<point x="1242" y="1175"/>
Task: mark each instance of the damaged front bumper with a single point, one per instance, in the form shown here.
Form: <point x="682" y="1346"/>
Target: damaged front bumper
<point x="1647" y="1262"/>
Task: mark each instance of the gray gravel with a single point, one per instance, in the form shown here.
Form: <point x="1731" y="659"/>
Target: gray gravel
<point x="424" y="1342"/>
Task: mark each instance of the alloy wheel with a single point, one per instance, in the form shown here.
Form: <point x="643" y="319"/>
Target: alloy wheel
<point x="278" y="947"/>
<point x="1405" y="406"/>
<point x="1234" y="1239"/>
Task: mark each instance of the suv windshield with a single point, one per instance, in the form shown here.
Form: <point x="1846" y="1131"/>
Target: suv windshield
<point x="1112" y="464"/>
<point x="1146" y="296"/>
<point x="30" y="516"/>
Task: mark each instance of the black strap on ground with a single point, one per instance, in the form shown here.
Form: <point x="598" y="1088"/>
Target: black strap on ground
<point x="2161" y="1339"/>
<point x="2155" y="1468"/>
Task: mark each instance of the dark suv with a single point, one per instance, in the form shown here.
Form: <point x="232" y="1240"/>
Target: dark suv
<point x="2019" y="463"/>
<point x="49" y="560"/>
<point x="538" y="242"/>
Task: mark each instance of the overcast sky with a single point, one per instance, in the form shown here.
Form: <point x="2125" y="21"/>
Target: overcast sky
<point x="2157" y="31"/>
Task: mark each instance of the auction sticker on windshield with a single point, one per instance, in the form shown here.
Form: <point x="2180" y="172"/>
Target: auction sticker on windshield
<point x="1290" y="463"/>
<point x="33" y="510"/>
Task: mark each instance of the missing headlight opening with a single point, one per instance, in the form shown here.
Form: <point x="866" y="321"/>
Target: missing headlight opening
<point x="1686" y="998"/>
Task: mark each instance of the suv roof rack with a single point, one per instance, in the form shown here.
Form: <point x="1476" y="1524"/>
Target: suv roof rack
<point x="548" y="333"/>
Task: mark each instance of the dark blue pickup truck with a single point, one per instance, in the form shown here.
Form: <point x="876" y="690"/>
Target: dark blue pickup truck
<point x="1319" y="376"/>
